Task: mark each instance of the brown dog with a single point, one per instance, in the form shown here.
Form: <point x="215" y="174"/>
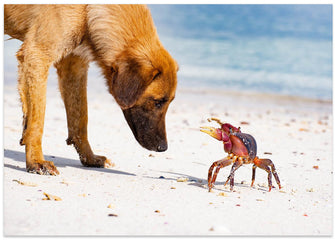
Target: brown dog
<point x="122" y="39"/>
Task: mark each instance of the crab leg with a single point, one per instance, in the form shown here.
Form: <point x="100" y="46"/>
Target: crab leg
<point x="253" y="174"/>
<point x="218" y="164"/>
<point x="274" y="172"/>
<point x="235" y="166"/>
<point x="265" y="164"/>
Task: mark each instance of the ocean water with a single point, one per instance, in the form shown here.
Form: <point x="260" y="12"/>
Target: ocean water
<point x="281" y="49"/>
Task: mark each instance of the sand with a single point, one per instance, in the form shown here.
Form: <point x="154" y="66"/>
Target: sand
<point x="149" y="193"/>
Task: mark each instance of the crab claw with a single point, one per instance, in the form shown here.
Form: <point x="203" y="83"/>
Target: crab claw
<point x="215" y="119"/>
<point x="213" y="132"/>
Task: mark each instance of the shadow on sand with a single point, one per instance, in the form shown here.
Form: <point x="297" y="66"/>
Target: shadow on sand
<point x="60" y="162"/>
<point x="202" y="183"/>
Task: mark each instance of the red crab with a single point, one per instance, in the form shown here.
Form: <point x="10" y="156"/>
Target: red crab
<point x="241" y="149"/>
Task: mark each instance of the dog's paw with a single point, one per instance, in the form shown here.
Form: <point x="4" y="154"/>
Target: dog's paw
<point x="43" y="168"/>
<point x="109" y="164"/>
<point x="96" y="161"/>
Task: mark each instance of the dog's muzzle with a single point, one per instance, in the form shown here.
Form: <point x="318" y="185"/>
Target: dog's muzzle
<point x="148" y="131"/>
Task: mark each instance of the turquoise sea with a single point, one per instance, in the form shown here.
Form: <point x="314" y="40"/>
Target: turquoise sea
<point x="281" y="49"/>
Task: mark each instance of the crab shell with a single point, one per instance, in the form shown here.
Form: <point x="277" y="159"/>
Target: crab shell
<point x="243" y="145"/>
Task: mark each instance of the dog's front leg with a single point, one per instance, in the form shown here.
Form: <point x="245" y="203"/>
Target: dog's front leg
<point x="32" y="82"/>
<point x="72" y="77"/>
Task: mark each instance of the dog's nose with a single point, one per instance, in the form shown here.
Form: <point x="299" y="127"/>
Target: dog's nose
<point x="162" y="147"/>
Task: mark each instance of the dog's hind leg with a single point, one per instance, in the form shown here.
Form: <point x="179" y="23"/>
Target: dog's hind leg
<point x="32" y="82"/>
<point x="72" y="78"/>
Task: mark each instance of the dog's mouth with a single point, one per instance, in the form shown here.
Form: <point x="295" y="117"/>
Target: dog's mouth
<point x="148" y="130"/>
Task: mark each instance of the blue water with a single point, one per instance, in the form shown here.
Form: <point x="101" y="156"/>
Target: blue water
<point x="281" y="49"/>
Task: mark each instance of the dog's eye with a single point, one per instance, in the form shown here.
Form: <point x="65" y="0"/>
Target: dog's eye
<point x="156" y="75"/>
<point x="159" y="103"/>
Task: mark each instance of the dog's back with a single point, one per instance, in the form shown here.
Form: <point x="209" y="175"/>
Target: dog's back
<point x="20" y="18"/>
<point x="17" y="19"/>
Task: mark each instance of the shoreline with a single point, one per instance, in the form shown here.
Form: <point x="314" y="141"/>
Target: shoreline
<point x="216" y="91"/>
<point x="274" y="96"/>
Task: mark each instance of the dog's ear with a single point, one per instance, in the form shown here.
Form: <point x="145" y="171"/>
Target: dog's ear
<point x="128" y="82"/>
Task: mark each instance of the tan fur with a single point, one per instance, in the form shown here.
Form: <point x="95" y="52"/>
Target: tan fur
<point x="122" y="39"/>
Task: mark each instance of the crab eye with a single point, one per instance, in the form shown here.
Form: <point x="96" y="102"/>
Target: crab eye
<point x="231" y="130"/>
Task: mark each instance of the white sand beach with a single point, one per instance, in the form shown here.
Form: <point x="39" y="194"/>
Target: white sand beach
<point x="142" y="194"/>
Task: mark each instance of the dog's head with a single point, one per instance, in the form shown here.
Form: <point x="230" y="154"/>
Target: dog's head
<point x="144" y="86"/>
